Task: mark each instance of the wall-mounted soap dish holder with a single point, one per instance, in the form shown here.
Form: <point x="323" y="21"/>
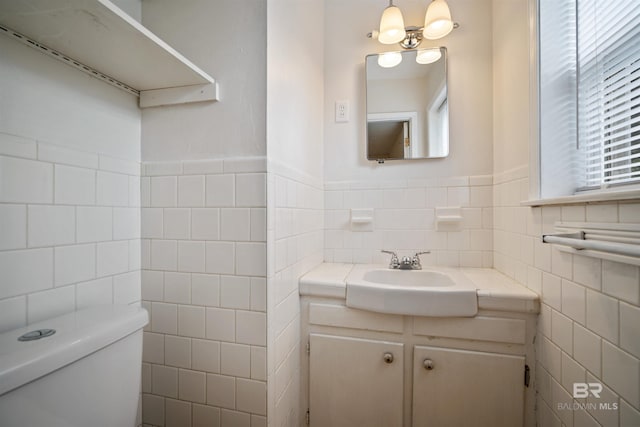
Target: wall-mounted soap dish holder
<point x="449" y="218"/>
<point x="362" y="219"/>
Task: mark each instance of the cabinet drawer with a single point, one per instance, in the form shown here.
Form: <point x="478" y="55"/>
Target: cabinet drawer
<point x="345" y="317"/>
<point x="511" y="331"/>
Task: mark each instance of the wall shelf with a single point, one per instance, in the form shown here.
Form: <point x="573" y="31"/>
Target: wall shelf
<point x="100" y="39"/>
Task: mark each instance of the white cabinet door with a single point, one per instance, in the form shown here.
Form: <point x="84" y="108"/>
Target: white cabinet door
<point x="467" y="388"/>
<point x="351" y="383"/>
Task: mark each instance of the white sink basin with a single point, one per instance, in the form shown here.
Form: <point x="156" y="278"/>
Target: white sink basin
<point x="428" y="278"/>
<point x="433" y="291"/>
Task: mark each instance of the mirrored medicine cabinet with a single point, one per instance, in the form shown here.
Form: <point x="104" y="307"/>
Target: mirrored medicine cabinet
<point x="407" y="105"/>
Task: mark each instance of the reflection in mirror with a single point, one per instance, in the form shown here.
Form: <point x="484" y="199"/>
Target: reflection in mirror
<point x="407" y="106"/>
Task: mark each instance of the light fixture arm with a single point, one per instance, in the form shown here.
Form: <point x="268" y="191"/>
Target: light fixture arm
<point x="413" y="38"/>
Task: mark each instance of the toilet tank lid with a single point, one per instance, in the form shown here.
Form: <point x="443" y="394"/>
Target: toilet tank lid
<point x="78" y="334"/>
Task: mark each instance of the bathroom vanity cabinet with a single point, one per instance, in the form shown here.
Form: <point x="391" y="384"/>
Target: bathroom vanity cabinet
<point x="356" y="381"/>
<point x="375" y="369"/>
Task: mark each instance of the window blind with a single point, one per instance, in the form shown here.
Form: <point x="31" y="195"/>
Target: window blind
<point x="561" y="165"/>
<point x="608" y="50"/>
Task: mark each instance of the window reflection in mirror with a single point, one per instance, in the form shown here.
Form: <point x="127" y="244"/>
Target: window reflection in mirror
<point x="407" y="106"/>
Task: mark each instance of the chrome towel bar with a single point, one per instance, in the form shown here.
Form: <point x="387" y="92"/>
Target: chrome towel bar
<point x="578" y="241"/>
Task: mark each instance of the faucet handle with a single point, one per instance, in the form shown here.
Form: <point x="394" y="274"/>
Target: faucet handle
<point x="394" y="258"/>
<point x="415" y="262"/>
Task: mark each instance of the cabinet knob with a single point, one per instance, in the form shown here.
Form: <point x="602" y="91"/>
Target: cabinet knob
<point x="428" y="364"/>
<point x="388" y="358"/>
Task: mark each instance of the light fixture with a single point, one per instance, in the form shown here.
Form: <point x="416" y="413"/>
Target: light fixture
<point x="437" y="24"/>
<point x="389" y="59"/>
<point x="428" y="56"/>
<point x="437" y="21"/>
<point x="391" y="25"/>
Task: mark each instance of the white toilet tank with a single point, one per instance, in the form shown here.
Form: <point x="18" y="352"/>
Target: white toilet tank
<point x="87" y="373"/>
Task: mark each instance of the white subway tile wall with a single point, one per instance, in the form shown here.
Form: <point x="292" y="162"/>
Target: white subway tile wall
<point x="204" y="284"/>
<point x="295" y="203"/>
<point x="589" y="326"/>
<point x="69" y="230"/>
<point x="404" y="220"/>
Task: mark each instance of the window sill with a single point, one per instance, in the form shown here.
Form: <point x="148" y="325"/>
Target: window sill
<point x="590" y="197"/>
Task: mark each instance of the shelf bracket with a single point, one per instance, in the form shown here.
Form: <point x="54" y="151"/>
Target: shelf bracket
<point x="179" y="95"/>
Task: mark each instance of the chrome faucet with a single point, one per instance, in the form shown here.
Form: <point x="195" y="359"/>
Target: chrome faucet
<point x="406" y="263"/>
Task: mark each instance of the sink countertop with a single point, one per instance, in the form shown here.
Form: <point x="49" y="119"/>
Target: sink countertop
<point x="495" y="290"/>
<point x="326" y="280"/>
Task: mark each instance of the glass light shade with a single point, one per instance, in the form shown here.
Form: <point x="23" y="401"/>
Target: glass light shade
<point x="428" y="56"/>
<point x="437" y="21"/>
<point x="391" y="26"/>
<point x="389" y="59"/>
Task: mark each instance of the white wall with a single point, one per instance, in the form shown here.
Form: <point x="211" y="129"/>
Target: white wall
<point x="69" y="189"/>
<point x="295" y="93"/>
<point x="203" y="283"/>
<point x="511" y="105"/>
<point x="588" y="326"/>
<point x="404" y="220"/>
<point x="470" y="82"/>
<point x="404" y="194"/>
<point x="295" y="85"/>
<point x="43" y="99"/>
<point x="204" y="223"/>
<point x="227" y="40"/>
